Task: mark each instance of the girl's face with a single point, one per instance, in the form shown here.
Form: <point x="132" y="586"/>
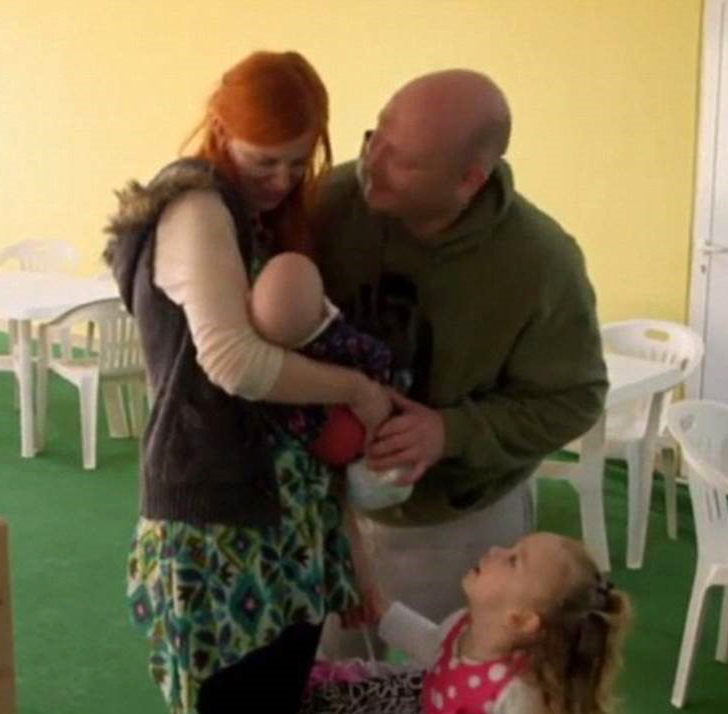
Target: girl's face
<point x="530" y="575"/>
<point x="268" y="174"/>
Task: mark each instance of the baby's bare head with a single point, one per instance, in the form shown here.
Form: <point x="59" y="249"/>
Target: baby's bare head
<point x="287" y="299"/>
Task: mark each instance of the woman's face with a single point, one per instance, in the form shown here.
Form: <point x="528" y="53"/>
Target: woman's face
<point x="268" y="174"/>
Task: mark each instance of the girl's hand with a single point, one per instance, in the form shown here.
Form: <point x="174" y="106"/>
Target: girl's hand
<point x="373" y="603"/>
<point x="371" y="404"/>
<point x="369" y="612"/>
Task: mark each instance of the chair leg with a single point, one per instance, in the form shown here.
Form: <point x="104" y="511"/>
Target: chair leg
<point x="66" y="344"/>
<point x="89" y="395"/>
<point x="41" y="389"/>
<point x="669" y="474"/>
<point x="533" y="490"/>
<point x="8" y="701"/>
<point x="137" y="397"/>
<point x="13" y="341"/>
<point x="691" y="635"/>
<point x="589" y="483"/>
<point x="641" y="458"/>
<point x="721" y="651"/>
<point x="593" y="532"/>
<point x="113" y="395"/>
<point x="149" y="391"/>
<point x="639" y="486"/>
<point x="24" y="373"/>
<point x="12" y="334"/>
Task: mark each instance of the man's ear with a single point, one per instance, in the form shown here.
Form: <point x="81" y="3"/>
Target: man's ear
<point x="525" y="621"/>
<point x="474" y="178"/>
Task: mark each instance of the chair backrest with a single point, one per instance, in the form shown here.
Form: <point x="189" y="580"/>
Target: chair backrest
<point x="117" y="346"/>
<point x="42" y="255"/>
<point x="656" y="340"/>
<point x="701" y="429"/>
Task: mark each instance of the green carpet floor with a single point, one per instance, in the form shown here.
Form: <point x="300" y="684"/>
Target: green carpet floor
<point x="70" y="528"/>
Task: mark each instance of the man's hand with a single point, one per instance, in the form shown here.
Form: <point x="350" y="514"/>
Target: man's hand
<point x="414" y="439"/>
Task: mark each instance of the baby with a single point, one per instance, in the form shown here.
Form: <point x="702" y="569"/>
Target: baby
<point x="541" y="633"/>
<point x="288" y="307"/>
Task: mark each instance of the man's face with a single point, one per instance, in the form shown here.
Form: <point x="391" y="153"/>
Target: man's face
<point x="405" y="170"/>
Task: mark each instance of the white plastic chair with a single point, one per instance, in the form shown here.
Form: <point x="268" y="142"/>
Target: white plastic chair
<point x="112" y="362"/>
<point x="661" y="341"/>
<point x="42" y="255"/>
<point x="37" y="255"/>
<point x="626" y="428"/>
<point x="701" y="429"/>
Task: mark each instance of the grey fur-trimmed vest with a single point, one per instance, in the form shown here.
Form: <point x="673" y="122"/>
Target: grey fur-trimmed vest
<point x="205" y="455"/>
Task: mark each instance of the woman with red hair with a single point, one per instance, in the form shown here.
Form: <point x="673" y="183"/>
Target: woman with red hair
<point x="238" y="553"/>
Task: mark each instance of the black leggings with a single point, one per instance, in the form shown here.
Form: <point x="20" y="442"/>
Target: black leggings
<point x="271" y="678"/>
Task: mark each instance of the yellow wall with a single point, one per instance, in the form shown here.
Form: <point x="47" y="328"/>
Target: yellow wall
<point x="93" y="92"/>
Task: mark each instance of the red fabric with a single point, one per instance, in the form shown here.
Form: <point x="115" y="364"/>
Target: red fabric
<point x="342" y="438"/>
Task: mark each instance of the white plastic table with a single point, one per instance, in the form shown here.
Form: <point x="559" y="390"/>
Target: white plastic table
<point x="26" y="296"/>
<point x="629" y="378"/>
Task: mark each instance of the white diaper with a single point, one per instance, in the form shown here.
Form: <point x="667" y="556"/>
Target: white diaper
<point x="369" y="490"/>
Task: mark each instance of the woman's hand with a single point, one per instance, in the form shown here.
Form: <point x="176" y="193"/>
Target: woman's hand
<point x="371" y="404"/>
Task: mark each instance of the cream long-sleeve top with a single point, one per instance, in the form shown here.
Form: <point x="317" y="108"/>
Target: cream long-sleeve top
<point x="421" y="640"/>
<point x="198" y="266"/>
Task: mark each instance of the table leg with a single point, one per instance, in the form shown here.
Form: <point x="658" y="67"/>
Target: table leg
<point x="25" y="384"/>
<point x="590" y="486"/>
<point x="7" y="654"/>
<point x="641" y="492"/>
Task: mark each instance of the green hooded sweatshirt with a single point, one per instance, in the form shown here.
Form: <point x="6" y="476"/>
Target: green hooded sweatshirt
<point x="516" y="367"/>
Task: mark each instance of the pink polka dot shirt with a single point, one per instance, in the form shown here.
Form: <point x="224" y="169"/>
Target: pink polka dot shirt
<point x="457" y="686"/>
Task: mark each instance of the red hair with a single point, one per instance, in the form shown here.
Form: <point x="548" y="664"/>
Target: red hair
<point x="266" y="99"/>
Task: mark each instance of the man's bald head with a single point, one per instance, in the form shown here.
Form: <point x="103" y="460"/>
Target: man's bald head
<point x="462" y="112"/>
<point x="435" y="145"/>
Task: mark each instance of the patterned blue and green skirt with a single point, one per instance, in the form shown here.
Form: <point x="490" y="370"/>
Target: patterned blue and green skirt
<point x="205" y="596"/>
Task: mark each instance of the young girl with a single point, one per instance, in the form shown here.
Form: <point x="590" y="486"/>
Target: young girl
<point x="541" y="634"/>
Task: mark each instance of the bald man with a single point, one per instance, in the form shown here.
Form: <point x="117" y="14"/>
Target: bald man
<point x="508" y="365"/>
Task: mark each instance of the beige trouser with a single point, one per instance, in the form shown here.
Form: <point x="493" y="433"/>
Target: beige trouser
<point x="422" y="566"/>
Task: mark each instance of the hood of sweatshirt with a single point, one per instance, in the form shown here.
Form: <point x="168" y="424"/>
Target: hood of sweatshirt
<point x="487" y="209"/>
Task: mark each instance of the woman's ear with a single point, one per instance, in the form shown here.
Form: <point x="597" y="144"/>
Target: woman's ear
<point x="219" y="131"/>
<point x="525" y="621"/>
